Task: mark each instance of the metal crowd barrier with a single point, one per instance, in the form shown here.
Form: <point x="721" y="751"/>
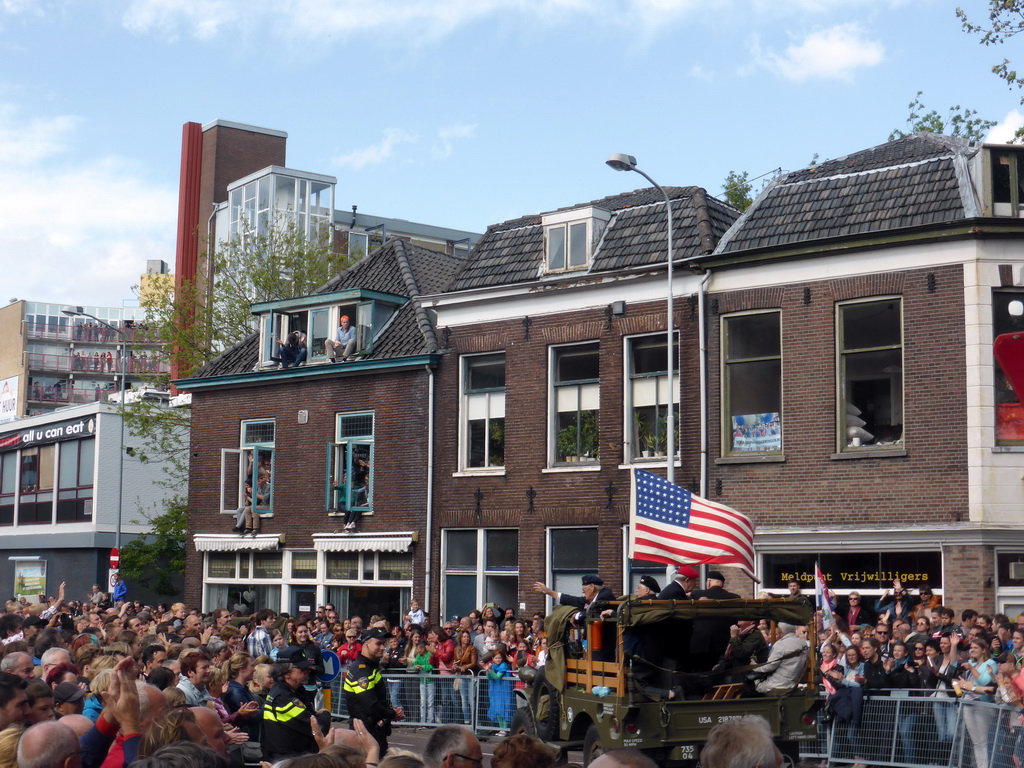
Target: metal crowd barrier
<point x="898" y="728"/>
<point x="436" y="698"/>
<point x="901" y="728"/>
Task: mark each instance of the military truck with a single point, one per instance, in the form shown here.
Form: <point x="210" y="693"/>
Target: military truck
<point x="594" y="691"/>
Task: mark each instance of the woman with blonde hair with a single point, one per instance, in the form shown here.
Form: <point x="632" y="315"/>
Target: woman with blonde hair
<point x="9" y="738"/>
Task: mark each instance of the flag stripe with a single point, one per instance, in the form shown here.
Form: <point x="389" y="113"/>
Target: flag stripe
<point x="693" y="547"/>
<point x="669" y="524"/>
<point x="699" y="535"/>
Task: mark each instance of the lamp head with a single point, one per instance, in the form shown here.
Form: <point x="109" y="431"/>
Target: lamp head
<point x="622" y="162"/>
<point x="71" y="311"/>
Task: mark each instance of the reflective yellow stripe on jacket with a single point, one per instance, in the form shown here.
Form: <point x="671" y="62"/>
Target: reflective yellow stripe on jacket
<point x="354" y="686"/>
<point x="284" y="714"/>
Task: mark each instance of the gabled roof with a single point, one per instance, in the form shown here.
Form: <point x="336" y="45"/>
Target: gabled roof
<point x="513" y="251"/>
<point x="914" y="181"/>
<point x="398" y="268"/>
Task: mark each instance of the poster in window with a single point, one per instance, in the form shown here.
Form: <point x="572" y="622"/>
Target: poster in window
<point x="756" y="432"/>
<point x="29" y="578"/>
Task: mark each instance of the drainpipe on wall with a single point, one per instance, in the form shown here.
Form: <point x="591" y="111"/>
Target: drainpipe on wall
<point x="702" y="332"/>
<point x="428" y="543"/>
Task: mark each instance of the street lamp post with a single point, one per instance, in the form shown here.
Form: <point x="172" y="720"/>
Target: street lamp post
<point x="71" y="311"/>
<point x="628" y="163"/>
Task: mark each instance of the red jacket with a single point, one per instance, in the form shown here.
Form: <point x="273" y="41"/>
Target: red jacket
<point x="349" y="652"/>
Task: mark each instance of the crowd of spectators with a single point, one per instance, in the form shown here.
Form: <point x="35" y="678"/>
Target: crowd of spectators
<point x="110" y="683"/>
<point x="911" y="642"/>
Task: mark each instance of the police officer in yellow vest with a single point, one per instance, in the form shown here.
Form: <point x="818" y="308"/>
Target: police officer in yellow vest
<point x="287" y="730"/>
<point x="366" y="693"/>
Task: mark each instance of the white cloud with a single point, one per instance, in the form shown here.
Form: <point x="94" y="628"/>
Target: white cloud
<point x="447" y="137"/>
<point x="1005" y="131"/>
<point x="698" y="72"/>
<point x="75" y="231"/>
<point x="828" y="54"/>
<point x="26" y="144"/>
<point x="377" y="153"/>
<point x="426" y="19"/>
<point x="15" y="7"/>
<point x="202" y="19"/>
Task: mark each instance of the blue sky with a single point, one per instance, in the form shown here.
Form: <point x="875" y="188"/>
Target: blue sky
<point x="460" y="113"/>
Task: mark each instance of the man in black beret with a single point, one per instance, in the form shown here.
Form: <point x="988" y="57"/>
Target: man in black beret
<point x="648" y="587"/>
<point x="593" y="589"/>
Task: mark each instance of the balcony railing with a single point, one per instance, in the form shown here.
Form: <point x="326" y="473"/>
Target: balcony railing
<point x="60" y="394"/>
<point x="95" y="364"/>
<point x="94" y="334"/>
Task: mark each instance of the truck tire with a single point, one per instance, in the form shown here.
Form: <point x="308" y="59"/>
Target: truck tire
<point x="546" y="708"/>
<point x="592" y="746"/>
<point x="522" y="723"/>
<point x="790" y="752"/>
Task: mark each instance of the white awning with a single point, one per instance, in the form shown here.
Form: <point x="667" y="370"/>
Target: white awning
<point x="365" y="542"/>
<point x="226" y="542"/>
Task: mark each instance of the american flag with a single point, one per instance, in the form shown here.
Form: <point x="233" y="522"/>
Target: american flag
<point x="668" y="524"/>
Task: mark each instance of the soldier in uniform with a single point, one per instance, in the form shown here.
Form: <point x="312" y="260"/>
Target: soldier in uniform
<point x="366" y="695"/>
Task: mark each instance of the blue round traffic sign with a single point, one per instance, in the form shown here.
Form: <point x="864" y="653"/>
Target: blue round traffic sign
<point x="332" y="667"/>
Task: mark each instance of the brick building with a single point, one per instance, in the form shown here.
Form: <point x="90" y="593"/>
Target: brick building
<point x="566" y="309"/>
<point x="835" y="382"/>
<point x="852" y="408"/>
<point x="332" y="438"/>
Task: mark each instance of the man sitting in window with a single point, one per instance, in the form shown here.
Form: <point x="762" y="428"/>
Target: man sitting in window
<point x="293" y="349"/>
<point x="344" y="342"/>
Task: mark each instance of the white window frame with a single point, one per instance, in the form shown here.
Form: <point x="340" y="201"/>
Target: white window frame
<point x="481" y="571"/>
<point x="242" y="581"/>
<point x="585" y="397"/>
<point x="359" y="240"/>
<point x="659" y="380"/>
<point x="726" y="378"/>
<point x="630" y="575"/>
<point x="488" y="404"/>
<point x="229" y="491"/>
<point x="845" y="443"/>
<point x="565" y="227"/>
<point x="549" y="565"/>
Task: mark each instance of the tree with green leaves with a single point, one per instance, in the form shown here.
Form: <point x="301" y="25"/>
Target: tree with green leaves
<point x="1005" y="21"/>
<point x="958" y="122"/>
<point x="738" y="188"/>
<point x="196" y="323"/>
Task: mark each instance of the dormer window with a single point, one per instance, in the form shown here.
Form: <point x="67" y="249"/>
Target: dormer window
<point x="569" y="238"/>
<point x="318" y="317"/>
<point x="1007" y="182"/>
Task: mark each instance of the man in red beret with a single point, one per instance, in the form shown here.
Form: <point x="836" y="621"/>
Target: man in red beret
<point x="682" y="584"/>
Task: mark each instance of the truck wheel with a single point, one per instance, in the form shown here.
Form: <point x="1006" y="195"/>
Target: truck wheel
<point x="522" y="723"/>
<point x="592" y="746"/>
<point x="790" y="752"/>
<point x="546" y="719"/>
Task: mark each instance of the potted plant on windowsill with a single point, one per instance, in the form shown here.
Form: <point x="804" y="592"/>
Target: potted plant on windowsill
<point x="496" y="455"/>
<point x="642" y="436"/>
<point x="567" y="443"/>
<point x="590" y="447"/>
